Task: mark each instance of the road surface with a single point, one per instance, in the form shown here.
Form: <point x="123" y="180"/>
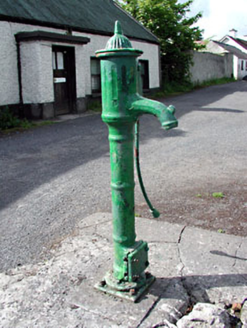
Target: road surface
<point x="54" y="176"/>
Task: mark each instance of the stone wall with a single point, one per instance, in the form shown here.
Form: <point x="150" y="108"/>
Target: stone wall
<point x="208" y="66"/>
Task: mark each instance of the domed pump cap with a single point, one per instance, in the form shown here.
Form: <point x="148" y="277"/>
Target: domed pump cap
<point x="118" y="40"/>
<point x="118" y="45"/>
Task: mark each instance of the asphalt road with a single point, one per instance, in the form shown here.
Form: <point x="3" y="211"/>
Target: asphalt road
<point x="53" y="177"/>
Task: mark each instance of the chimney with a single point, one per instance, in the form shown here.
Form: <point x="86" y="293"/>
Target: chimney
<point x="233" y="33"/>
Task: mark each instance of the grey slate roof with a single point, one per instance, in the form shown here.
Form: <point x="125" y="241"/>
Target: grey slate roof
<point x="243" y="43"/>
<point x="93" y="16"/>
<point x="231" y="49"/>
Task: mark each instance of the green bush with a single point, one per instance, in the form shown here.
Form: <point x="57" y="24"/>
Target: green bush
<point x="7" y="119"/>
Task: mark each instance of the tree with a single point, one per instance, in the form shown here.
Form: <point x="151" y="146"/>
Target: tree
<point x="167" y="19"/>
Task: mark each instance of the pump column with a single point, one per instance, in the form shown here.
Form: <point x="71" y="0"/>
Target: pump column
<point x="122" y="185"/>
<point x="119" y="89"/>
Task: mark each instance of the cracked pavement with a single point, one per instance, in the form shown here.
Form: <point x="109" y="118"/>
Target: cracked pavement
<point x="191" y="265"/>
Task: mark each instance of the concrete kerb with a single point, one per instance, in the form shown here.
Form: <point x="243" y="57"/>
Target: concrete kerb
<point x="191" y="265"/>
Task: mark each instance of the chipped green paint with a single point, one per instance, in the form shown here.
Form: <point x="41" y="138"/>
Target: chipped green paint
<point x="122" y="106"/>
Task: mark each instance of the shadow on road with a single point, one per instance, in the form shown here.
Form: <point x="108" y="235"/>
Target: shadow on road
<point x="35" y="157"/>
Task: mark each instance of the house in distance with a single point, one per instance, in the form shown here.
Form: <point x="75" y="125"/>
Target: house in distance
<point x="237" y="47"/>
<point x="47" y="53"/>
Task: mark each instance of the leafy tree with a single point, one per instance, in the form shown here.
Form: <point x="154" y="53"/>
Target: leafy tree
<point x="168" y="20"/>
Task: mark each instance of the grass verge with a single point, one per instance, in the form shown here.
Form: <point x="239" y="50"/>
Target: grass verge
<point x="9" y="123"/>
<point x="95" y="106"/>
<point x="25" y="126"/>
<point x="174" y="89"/>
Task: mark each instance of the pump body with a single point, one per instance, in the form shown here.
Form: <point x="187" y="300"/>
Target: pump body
<point x="122" y="106"/>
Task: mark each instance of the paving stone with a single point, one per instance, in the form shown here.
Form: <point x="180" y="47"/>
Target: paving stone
<point x="189" y="264"/>
<point x="211" y="267"/>
<point x="205" y="315"/>
<point x="172" y="303"/>
<point x="243" y="315"/>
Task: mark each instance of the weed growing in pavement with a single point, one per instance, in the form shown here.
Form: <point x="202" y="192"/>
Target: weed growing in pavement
<point x="218" y="195"/>
<point x="214" y="195"/>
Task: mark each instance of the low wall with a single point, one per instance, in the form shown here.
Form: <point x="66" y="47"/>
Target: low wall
<point x="208" y="66"/>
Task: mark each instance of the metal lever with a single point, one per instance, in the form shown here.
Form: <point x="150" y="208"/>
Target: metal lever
<point x="153" y="210"/>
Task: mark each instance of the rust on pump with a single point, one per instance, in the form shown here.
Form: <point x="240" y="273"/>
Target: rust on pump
<point x="122" y="106"/>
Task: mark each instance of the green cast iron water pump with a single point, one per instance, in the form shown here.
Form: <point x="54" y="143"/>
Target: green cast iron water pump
<point x="122" y="106"/>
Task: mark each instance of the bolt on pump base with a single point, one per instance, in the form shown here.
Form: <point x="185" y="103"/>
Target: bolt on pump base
<point x="136" y="281"/>
<point x="122" y="107"/>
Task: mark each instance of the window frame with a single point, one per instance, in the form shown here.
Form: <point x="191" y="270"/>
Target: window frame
<point x="93" y="75"/>
<point x="242" y="65"/>
<point x="145" y="73"/>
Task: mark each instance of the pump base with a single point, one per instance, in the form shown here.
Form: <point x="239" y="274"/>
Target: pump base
<point x="129" y="291"/>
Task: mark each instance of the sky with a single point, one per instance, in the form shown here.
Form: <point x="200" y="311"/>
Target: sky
<point x="220" y="16"/>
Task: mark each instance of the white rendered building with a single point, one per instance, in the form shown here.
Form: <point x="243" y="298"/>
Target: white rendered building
<point x="47" y="53"/>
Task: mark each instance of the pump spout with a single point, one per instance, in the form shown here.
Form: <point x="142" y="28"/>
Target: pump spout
<point x="164" y="114"/>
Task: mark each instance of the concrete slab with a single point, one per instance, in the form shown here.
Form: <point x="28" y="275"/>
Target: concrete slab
<point x="212" y="267"/>
<point x="190" y="265"/>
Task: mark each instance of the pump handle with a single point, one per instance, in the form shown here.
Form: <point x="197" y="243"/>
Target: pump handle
<point x="153" y="210"/>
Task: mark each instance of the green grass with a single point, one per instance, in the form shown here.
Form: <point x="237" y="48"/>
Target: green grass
<point x="218" y="195"/>
<point x="9" y="123"/>
<point x="44" y="123"/>
<point x="208" y="195"/>
<point x="26" y="126"/>
<point x="223" y="80"/>
<point x="174" y="89"/>
<point x="95" y="106"/>
<point x="199" y="195"/>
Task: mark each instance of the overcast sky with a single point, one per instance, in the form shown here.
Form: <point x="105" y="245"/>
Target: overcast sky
<point x="220" y="16"/>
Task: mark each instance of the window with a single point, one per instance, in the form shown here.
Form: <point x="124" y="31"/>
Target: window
<point x="242" y="65"/>
<point x="95" y="75"/>
<point x="58" y="60"/>
<point x="144" y="74"/>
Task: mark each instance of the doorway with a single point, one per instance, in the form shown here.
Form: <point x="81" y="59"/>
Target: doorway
<point x="63" y="62"/>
